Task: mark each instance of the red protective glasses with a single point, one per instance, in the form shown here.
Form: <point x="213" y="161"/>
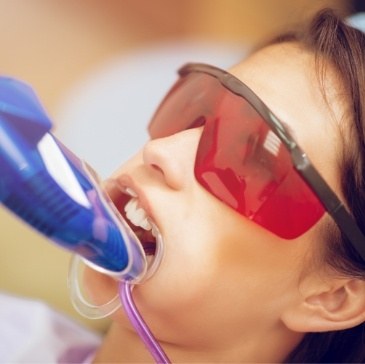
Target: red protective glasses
<point x="246" y="157"/>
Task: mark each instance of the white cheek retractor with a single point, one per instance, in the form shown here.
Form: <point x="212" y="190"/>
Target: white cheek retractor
<point x="79" y="298"/>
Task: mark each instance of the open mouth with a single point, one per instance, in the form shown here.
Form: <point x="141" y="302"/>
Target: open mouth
<point x="138" y="220"/>
<point x="127" y="203"/>
<point x="141" y="224"/>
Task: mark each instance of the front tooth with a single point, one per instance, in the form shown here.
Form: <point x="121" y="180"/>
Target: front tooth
<point x="145" y="224"/>
<point x="137" y="215"/>
<point x="131" y="192"/>
<point x="155" y="231"/>
<point x="131" y="205"/>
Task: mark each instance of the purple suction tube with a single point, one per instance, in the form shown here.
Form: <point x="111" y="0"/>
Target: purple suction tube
<point x="125" y="294"/>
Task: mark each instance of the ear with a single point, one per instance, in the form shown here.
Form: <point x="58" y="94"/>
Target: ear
<point x="327" y="305"/>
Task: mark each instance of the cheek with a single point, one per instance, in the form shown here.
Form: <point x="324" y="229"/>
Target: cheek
<point x="214" y="252"/>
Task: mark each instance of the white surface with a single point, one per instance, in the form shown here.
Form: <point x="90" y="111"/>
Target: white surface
<point x="30" y="332"/>
<point x="357" y="21"/>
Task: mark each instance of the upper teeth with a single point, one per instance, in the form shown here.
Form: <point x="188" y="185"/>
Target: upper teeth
<point x="131" y="192"/>
<point x="136" y="214"/>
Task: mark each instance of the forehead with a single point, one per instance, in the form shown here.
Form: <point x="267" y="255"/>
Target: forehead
<point x="284" y="76"/>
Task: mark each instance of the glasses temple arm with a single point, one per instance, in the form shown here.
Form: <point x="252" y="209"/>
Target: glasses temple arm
<point x="330" y="201"/>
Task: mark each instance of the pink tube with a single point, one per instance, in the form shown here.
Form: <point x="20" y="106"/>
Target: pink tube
<point x="125" y="294"/>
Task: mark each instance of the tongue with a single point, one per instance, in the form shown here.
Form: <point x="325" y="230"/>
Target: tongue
<point x="149" y="248"/>
<point x="147" y="239"/>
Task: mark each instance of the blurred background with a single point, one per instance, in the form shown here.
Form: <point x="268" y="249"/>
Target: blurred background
<point x="100" y="68"/>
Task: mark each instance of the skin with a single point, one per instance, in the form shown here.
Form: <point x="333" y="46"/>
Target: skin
<point x="227" y="290"/>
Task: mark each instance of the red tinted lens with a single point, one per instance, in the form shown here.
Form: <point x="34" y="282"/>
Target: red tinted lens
<point x="240" y="160"/>
<point x="192" y="100"/>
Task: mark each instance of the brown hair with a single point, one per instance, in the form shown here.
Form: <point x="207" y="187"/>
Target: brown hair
<point x="333" y="41"/>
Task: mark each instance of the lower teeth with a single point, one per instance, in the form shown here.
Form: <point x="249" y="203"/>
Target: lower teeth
<point x="154" y="249"/>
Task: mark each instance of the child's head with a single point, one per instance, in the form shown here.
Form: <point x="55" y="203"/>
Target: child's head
<point x="229" y="288"/>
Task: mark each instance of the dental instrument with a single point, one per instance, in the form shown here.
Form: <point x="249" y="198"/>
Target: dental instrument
<point x="54" y="191"/>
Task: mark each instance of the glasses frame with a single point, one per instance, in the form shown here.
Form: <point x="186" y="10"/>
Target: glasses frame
<point x="301" y="162"/>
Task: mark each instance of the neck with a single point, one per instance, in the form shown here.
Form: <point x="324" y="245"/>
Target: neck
<point x="122" y="345"/>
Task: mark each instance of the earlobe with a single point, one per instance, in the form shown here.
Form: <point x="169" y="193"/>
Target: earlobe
<point x="339" y="305"/>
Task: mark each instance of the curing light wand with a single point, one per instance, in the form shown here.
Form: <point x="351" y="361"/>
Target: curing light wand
<point x="55" y="192"/>
<point x="59" y="195"/>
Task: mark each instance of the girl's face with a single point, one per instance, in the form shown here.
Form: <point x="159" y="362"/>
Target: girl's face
<point x="223" y="279"/>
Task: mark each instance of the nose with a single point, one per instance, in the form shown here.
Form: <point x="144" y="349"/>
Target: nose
<point x="173" y="157"/>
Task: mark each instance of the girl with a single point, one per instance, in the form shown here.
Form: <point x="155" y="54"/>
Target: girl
<point x="254" y="179"/>
<point x="255" y="268"/>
